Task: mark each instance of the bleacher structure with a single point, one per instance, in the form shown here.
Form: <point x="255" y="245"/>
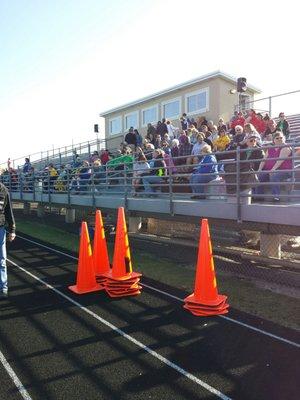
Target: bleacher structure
<point x="173" y="201"/>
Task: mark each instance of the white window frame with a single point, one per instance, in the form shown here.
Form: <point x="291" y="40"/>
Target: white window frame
<point x="113" y="119"/>
<point x="137" y="120"/>
<point x="150" y="122"/>
<point x="171" y="101"/>
<point x="202" y="110"/>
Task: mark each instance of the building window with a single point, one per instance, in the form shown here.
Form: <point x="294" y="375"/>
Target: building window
<point x="131" y="120"/>
<point x="171" y="108"/>
<point x="197" y="102"/>
<point x="149" y="115"/>
<point x="115" y="126"/>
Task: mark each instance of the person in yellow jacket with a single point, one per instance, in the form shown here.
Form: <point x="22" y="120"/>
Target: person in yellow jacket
<point x="222" y="141"/>
<point x="53" y="174"/>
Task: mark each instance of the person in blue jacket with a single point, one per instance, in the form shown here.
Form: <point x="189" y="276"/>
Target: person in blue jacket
<point x="206" y="171"/>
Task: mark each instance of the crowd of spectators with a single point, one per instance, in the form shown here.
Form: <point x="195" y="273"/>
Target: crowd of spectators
<point x="196" y="153"/>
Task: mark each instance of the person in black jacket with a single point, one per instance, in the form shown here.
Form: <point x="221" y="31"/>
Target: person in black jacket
<point x="250" y="157"/>
<point x="130" y="138"/>
<point x="6" y="219"/>
<point x="157" y="173"/>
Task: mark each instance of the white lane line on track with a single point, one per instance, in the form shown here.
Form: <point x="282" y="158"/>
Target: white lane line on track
<point x="232" y="320"/>
<point x="139" y="344"/>
<point x="14" y="378"/>
<point x="253" y="328"/>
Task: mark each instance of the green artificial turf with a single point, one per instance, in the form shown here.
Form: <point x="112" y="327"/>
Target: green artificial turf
<point x="242" y="294"/>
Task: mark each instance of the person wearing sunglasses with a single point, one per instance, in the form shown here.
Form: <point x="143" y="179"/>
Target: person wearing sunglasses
<point x="276" y="167"/>
<point x="283" y="125"/>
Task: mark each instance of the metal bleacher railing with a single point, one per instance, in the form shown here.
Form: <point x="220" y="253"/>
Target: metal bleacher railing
<point x="232" y="184"/>
<point x="59" y="155"/>
<point x="271" y="104"/>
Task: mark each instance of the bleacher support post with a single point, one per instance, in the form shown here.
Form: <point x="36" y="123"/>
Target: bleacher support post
<point x="40" y="210"/>
<point x="134" y="224"/>
<point x="70" y="215"/>
<point x="26" y="207"/>
<point x="270" y="245"/>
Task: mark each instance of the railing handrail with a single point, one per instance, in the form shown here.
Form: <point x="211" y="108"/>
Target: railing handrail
<point x="273" y="96"/>
<point x="269" y="98"/>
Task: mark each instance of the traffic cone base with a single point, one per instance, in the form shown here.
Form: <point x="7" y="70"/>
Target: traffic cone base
<point x="207" y="308"/>
<point x="101" y="280"/>
<point x="201" y="313"/>
<point x="74" y="288"/>
<point x="220" y="299"/>
<point x="128" y="285"/>
<point x="121" y="283"/>
<point x="124" y="290"/>
<point x="128" y="277"/>
<point x="203" y="310"/>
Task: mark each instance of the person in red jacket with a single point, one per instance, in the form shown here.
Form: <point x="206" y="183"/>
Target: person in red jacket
<point x="257" y="121"/>
<point x="104" y="157"/>
<point x="240" y="120"/>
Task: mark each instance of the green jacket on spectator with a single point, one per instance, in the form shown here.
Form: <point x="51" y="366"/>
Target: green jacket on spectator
<point x="126" y="159"/>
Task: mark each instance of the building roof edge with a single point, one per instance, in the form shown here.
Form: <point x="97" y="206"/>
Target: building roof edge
<point x="215" y="74"/>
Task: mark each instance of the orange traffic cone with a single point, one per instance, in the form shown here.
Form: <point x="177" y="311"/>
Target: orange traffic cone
<point x="205" y="300"/>
<point x="86" y="280"/>
<point x="120" y="280"/>
<point x="100" y="253"/>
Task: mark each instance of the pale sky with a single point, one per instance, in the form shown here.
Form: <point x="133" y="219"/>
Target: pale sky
<point x="64" y="61"/>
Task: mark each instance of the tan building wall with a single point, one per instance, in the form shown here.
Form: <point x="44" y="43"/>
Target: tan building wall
<point x="220" y="104"/>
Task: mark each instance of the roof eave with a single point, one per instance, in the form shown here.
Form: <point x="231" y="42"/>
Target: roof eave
<point x="215" y="74"/>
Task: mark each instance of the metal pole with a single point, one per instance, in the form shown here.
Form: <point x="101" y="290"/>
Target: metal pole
<point x="49" y="196"/>
<point x="98" y="145"/>
<point x="238" y="183"/>
<point x="33" y="185"/>
<point x="171" y="192"/>
<point x="125" y="187"/>
<point x="68" y="186"/>
<point x="21" y="185"/>
<point x="93" y="187"/>
<point x="270" y="106"/>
